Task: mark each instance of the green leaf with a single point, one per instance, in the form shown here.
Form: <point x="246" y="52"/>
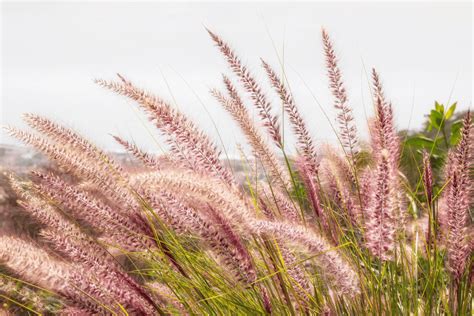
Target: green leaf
<point x="420" y="141"/>
<point x="455" y="133"/>
<point x="436" y="119"/>
<point x="439" y="107"/>
<point x="450" y="111"/>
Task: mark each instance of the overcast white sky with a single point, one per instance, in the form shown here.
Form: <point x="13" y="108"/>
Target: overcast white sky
<point x="51" y="53"/>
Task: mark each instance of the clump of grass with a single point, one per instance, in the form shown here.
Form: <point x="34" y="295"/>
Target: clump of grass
<point x="326" y="232"/>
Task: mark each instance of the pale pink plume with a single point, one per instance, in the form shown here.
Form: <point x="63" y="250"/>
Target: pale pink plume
<point x="234" y="105"/>
<point x="304" y="140"/>
<point x="252" y="87"/>
<point x="146" y="158"/>
<point x="345" y="118"/>
<point x="458" y="202"/>
<point x="189" y="146"/>
<point x="385" y="214"/>
<point x="335" y="268"/>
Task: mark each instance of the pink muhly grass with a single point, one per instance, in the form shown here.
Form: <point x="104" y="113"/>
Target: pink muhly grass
<point x="69" y="240"/>
<point x="67" y="137"/>
<point x="235" y="106"/>
<point x="297" y="276"/>
<point x="208" y="190"/>
<point x="37" y="266"/>
<point x="312" y="188"/>
<point x="165" y="294"/>
<point x="458" y="202"/>
<point x="283" y="205"/>
<point x="148" y="160"/>
<point x="310" y="185"/>
<point x="188" y="144"/>
<point x="33" y="263"/>
<point x="428" y="177"/>
<point x="348" y="129"/>
<point x="102" y="266"/>
<point x="236" y="250"/>
<point x="88" y="208"/>
<point x="208" y="224"/>
<point x="384" y="134"/>
<point x="43" y="212"/>
<point x="73" y="311"/>
<point x="305" y="142"/>
<point x="385" y="214"/>
<point x="87" y="153"/>
<point x="340" y="274"/>
<point x="380" y="220"/>
<point x="111" y="184"/>
<point x="339" y="191"/>
<point x="252" y="87"/>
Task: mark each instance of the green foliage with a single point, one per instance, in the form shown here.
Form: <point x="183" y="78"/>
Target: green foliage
<point x="442" y="131"/>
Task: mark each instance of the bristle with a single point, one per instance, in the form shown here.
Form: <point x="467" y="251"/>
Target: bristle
<point x="457" y="202"/>
<point x="189" y="145"/>
<point x="147" y="159"/>
<point x="252" y="87"/>
<point x="33" y="264"/>
<point x="205" y="189"/>
<point x="67" y="137"/>
<point x="385" y="214"/>
<point x="345" y="118"/>
<point x="236" y="108"/>
<point x="341" y="275"/>
<point x="112" y="184"/>
<point x="337" y="186"/>
<point x="380" y="223"/>
<point x="311" y="186"/>
<point x="281" y="202"/>
<point x="86" y="207"/>
<point x="305" y="142"/>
